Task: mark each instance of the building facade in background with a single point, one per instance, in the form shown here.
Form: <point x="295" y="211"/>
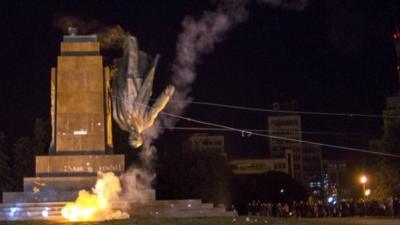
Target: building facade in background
<point x="204" y="141"/>
<point x="338" y="180"/>
<point x="262" y="166"/>
<point x="392" y="106"/>
<point x="285" y="131"/>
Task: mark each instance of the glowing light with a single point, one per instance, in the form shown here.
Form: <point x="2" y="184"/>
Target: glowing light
<point x="45" y="212"/>
<point x="80" y="132"/>
<point x="189" y="205"/>
<point x="96" y="205"/>
<point x="282" y="190"/>
<point x="367" y="192"/>
<point x="330" y="199"/>
<point x="13" y="211"/>
<point x="363" y="179"/>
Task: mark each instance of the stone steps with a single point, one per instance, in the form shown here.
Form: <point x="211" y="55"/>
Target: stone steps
<point x="158" y="208"/>
<point x="58" y="196"/>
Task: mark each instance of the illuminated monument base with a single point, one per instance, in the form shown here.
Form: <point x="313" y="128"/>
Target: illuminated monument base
<point x="60" y="178"/>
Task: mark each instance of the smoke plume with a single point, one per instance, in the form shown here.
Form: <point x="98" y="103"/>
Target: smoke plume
<point x="199" y="37"/>
<point x="135" y="182"/>
<point x="97" y="204"/>
<point x="109" y="193"/>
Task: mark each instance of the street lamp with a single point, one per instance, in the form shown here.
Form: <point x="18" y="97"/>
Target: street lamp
<point x="367" y="192"/>
<point x="363" y="180"/>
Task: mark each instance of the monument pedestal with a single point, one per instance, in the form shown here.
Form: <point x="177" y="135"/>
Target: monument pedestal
<point x="59" y="178"/>
<point x="81" y="137"/>
<point x="81" y="127"/>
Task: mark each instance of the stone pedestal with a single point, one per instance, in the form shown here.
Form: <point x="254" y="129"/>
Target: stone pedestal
<point x="81" y="128"/>
<point x="78" y="165"/>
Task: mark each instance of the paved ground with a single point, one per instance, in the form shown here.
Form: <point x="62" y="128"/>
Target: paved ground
<point x="225" y="221"/>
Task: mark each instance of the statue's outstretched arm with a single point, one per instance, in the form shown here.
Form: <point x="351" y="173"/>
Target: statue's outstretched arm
<point x="146" y="90"/>
<point x="159" y="105"/>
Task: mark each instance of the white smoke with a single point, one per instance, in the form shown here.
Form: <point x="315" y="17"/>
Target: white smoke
<point x="110" y="195"/>
<point x="136" y="183"/>
<point x="199" y="37"/>
<point x="147" y="157"/>
<point x="96" y="205"/>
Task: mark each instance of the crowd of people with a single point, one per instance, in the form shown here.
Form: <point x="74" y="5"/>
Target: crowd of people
<point x="311" y="208"/>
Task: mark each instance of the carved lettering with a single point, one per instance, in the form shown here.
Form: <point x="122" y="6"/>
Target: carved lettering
<point x="69" y="168"/>
<point x="115" y="167"/>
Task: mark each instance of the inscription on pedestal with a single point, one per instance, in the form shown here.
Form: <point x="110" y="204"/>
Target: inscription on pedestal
<point x="82" y="164"/>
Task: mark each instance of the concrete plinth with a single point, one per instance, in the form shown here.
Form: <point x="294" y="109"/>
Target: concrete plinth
<point x="45" y="184"/>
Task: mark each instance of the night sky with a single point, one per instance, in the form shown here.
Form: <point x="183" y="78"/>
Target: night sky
<point x="333" y="56"/>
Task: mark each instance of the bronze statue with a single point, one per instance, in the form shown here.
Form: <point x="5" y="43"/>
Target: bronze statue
<point x="131" y="91"/>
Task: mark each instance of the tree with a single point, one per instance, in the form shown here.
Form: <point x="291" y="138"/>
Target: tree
<point x="23" y="161"/>
<point x="207" y="175"/>
<point x="391" y="132"/>
<point x="5" y="181"/>
<point x="386" y="180"/>
<point x="41" y="136"/>
<point x="203" y="174"/>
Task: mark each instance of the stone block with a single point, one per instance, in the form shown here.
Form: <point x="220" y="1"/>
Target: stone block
<point x="78" y="165"/>
<point x="52" y="196"/>
<point x="80" y="104"/>
<point x="80" y="47"/>
<point x="46" y="184"/>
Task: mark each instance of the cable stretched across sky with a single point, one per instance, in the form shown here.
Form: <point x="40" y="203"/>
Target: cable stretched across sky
<point x="286" y="111"/>
<point x="246" y="132"/>
<point x="249" y="133"/>
<point x="274" y="131"/>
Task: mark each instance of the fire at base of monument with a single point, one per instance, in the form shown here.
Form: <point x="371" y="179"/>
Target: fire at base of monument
<point x="107" y="200"/>
<point x="98" y="204"/>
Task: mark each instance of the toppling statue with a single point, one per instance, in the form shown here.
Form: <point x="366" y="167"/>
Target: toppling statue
<point x="131" y="91"/>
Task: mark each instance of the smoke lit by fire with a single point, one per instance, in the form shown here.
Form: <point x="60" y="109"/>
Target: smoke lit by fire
<point x="96" y="205"/>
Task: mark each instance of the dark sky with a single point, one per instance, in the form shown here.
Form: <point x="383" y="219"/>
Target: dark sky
<point x="334" y="56"/>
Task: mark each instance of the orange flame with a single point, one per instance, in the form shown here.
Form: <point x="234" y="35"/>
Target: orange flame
<point x="97" y="205"/>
